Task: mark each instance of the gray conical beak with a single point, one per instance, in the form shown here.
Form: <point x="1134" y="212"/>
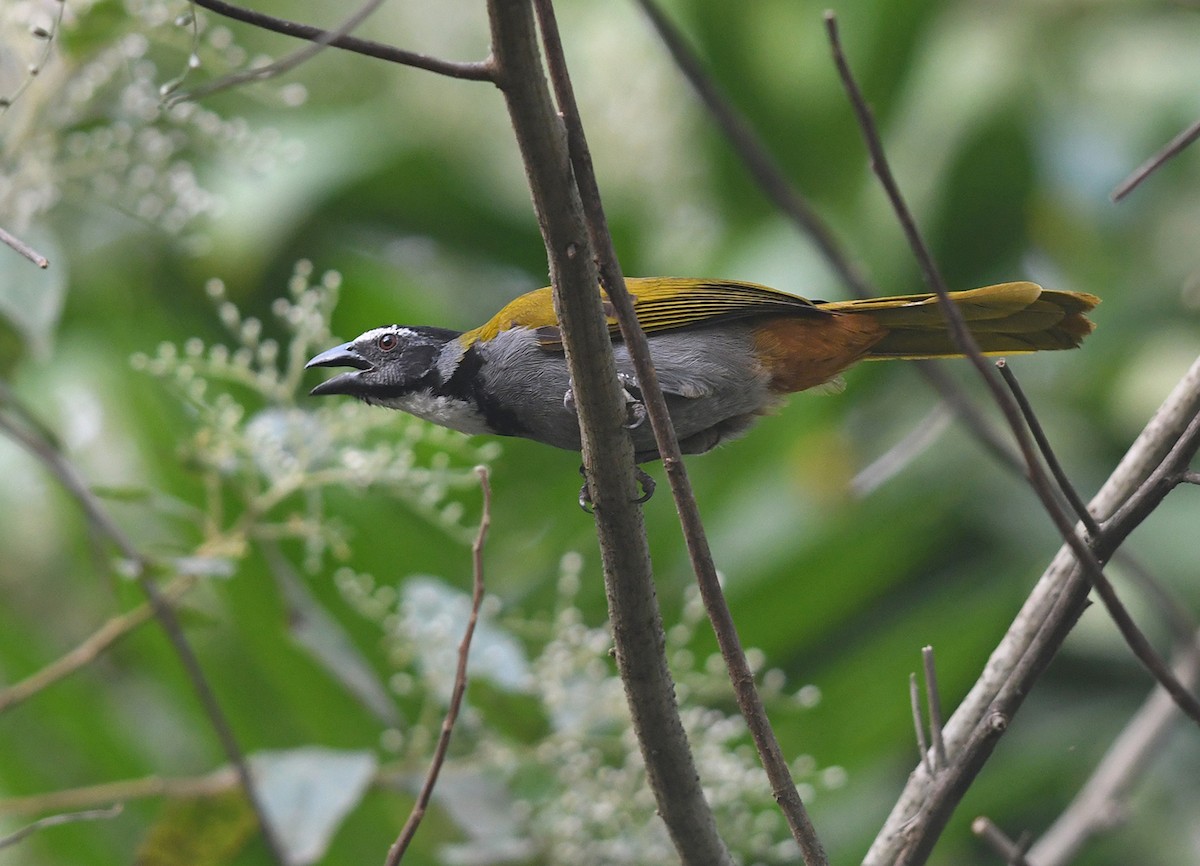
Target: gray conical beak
<point x="344" y="355"/>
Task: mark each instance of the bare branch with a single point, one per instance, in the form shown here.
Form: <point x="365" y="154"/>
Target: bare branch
<point x="1170" y="607"/>
<point x="123" y="791"/>
<point x="1154" y="163"/>
<point x="771" y="179"/>
<point x="607" y="449"/>
<point x="1012" y="852"/>
<point x="914" y="699"/>
<point x="1043" y="443"/>
<point x="284" y="64"/>
<point x="141" y="569"/>
<point x="396" y="853"/>
<point x="57" y="820"/>
<point x="893" y="461"/>
<point x="932" y="815"/>
<point x="24" y="249"/>
<point x="749" y="701"/>
<point x="1039" y="628"/>
<point x="467" y="70"/>
<point x="933" y="699"/>
<point x="965" y="342"/>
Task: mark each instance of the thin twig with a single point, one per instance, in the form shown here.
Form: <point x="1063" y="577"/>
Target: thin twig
<point x="934" y="700"/>
<point x="755" y="156"/>
<point x="56" y="820"/>
<point x="90" y="796"/>
<point x="1012" y="852"/>
<point x="396" y="853"/>
<point x="1043" y="443"/>
<point x="914" y="698"/>
<point x="1177" y="616"/>
<point x="1154" y="163"/>
<point x="1190" y="477"/>
<point x="284" y="64"/>
<point x="141" y="568"/>
<point x="92" y="646"/>
<point x="777" y="187"/>
<point x="467" y="70"/>
<point x="749" y="701"/>
<point x="34" y="69"/>
<point x="24" y="249"/>
<point x="910" y="446"/>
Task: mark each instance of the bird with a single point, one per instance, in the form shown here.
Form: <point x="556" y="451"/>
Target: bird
<point x="726" y="353"/>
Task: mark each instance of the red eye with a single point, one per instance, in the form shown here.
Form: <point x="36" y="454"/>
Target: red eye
<point x="387" y="342"/>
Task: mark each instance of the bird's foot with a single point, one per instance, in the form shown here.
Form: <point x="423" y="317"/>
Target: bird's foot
<point x="635" y="409"/>
<point x="645" y="482"/>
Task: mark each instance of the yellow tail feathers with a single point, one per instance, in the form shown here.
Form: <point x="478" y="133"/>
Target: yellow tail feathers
<point x="1004" y="319"/>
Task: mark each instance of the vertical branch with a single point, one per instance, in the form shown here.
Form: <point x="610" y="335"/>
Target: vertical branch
<point x="607" y="449"/>
<point x="934" y="700"/>
<point x="749" y="701"/>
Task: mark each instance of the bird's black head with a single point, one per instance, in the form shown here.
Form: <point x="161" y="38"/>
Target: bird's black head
<point x="389" y="363"/>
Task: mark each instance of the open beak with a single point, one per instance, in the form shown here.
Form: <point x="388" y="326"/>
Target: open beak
<point x="339" y="356"/>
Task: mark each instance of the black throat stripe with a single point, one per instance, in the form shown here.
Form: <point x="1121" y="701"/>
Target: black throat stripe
<point x="466" y="384"/>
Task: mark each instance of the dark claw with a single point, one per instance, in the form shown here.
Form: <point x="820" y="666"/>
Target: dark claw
<point x="585" y="492"/>
<point x="647" y="484"/>
<point x="635" y="409"/>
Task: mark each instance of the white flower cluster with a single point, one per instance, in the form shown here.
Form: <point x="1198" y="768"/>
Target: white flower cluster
<point x="251" y="439"/>
<point x="81" y="89"/>
<point x="578" y="793"/>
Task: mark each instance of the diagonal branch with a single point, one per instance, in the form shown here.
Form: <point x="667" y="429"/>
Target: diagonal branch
<point x="141" y="568"/>
<point x="1100" y="802"/>
<point x="284" y="64"/>
<point x="1044" y="620"/>
<point x="91" y="648"/>
<point x="965" y="342"/>
<point x="1169" y="151"/>
<point x="781" y="192"/>
<point x="467" y="70"/>
<point x="930" y="819"/>
<point x="24" y="249"/>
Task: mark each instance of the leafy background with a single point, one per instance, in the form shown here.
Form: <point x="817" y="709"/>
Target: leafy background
<point x="1008" y="125"/>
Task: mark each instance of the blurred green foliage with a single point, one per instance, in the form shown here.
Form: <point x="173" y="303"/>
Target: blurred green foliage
<point x="1008" y="125"/>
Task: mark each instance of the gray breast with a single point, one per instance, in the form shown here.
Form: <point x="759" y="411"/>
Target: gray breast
<point x="713" y="385"/>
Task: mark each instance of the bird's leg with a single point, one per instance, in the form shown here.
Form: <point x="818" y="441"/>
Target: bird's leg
<point x="635" y="409"/>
